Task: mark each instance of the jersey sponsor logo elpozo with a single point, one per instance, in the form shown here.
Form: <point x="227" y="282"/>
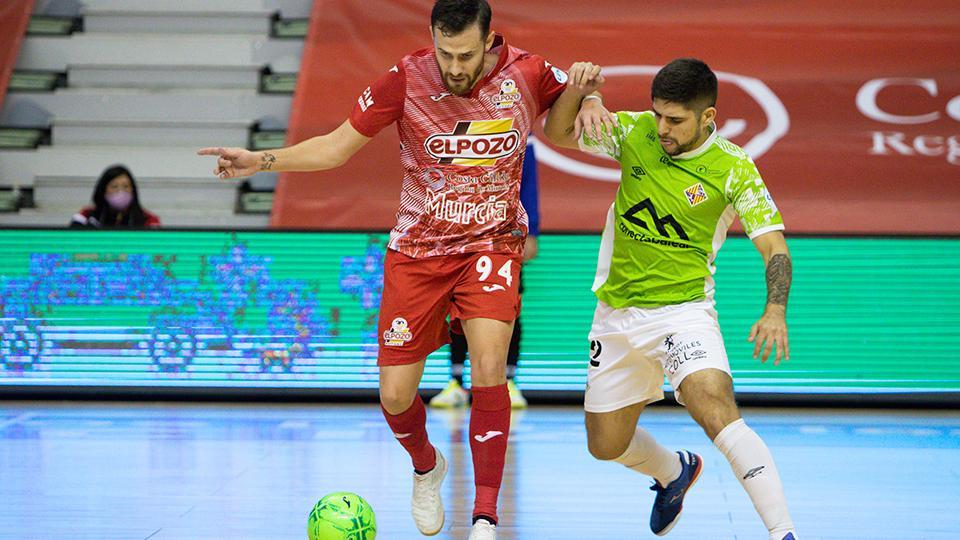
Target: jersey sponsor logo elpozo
<point x="754" y="118"/>
<point x="475" y="143"/>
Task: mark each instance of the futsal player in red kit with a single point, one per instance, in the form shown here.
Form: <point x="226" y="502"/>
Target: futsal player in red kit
<point x="463" y="109"/>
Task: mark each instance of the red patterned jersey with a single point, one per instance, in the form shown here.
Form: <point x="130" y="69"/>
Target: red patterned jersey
<point x="462" y="156"/>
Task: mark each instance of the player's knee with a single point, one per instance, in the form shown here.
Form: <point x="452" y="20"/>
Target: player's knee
<point x="487" y="373"/>
<point x="396" y="400"/>
<point x="717" y="416"/>
<point x="605" y="446"/>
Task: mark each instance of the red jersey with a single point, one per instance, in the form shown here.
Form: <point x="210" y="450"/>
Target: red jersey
<point x="86" y="217"/>
<point x="462" y="156"/>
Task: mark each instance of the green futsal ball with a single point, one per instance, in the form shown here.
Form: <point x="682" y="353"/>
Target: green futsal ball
<point x="342" y="516"/>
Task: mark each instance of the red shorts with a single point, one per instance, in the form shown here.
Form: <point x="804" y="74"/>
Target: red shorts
<point x="418" y="294"/>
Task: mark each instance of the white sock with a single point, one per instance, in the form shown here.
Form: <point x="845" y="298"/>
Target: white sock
<point x="646" y="456"/>
<point x="751" y="461"/>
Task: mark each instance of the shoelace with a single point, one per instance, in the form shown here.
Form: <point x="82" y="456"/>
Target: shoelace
<point x="432" y="496"/>
<point x="661" y="501"/>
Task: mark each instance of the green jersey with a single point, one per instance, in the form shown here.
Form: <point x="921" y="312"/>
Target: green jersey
<point x="672" y="213"/>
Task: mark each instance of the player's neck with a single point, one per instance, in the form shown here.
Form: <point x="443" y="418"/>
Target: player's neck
<point x="490" y="60"/>
<point x="704" y="136"/>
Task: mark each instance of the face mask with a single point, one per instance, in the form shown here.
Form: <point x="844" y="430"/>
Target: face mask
<point x="119" y="200"/>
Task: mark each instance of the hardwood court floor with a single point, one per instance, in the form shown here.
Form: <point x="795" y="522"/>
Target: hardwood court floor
<point x="200" y="471"/>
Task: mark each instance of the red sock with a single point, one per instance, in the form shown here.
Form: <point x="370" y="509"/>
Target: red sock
<point x="489" y="428"/>
<point x="410" y="429"/>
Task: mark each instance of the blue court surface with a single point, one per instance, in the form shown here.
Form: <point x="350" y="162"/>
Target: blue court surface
<point x="102" y="471"/>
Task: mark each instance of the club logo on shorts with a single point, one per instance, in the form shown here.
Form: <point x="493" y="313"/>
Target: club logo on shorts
<point x="679" y="353"/>
<point x="475" y="143"/>
<point x="595" y="349"/>
<point x="398" y="334"/>
<point x="509" y="95"/>
<point x="695" y="194"/>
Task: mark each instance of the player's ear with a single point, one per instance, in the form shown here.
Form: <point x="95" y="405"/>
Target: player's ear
<point x="709" y="115"/>
<point x="489" y="43"/>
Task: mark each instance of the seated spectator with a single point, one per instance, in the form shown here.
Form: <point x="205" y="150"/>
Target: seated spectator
<point x="115" y="203"/>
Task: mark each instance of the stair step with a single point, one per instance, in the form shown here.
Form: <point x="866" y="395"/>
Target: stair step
<point x="23" y="138"/>
<point x="290" y="28"/>
<point x="47" y="25"/>
<point x="160" y="49"/>
<point x="265" y="140"/>
<point x="158" y="194"/>
<point x="202" y="105"/>
<point x="159" y="77"/>
<point x="178" y="6"/>
<point x="186" y="22"/>
<point x="36" y="81"/>
<point x="21" y="167"/>
<point x="149" y="132"/>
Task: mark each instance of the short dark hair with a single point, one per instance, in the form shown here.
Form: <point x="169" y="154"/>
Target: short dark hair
<point x="454" y="16"/>
<point x="687" y="81"/>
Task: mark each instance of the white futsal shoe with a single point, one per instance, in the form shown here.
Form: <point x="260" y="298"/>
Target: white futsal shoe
<point x="427" y="506"/>
<point x="451" y="397"/>
<point x="483" y="530"/>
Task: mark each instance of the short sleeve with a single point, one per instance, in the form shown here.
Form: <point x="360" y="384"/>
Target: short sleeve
<point x="752" y="201"/>
<point x="550" y="84"/>
<point x="381" y="104"/>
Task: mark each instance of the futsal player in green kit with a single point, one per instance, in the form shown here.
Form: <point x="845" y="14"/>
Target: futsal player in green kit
<point x="681" y="187"/>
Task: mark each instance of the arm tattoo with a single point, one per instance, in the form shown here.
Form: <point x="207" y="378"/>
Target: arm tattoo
<point x="266" y="163"/>
<point x="779" y="276"/>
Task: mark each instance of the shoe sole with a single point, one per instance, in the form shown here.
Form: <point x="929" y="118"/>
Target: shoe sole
<point x="696" y="476"/>
<point x="443" y="514"/>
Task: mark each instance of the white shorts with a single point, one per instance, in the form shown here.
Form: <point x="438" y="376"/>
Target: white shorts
<point x="631" y="350"/>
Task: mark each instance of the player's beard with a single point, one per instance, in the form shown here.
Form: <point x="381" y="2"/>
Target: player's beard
<point x="464" y="85"/>
<point x="678" y="148"/>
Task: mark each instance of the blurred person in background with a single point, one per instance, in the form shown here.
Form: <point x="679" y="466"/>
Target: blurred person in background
<point x="115" y="204"/>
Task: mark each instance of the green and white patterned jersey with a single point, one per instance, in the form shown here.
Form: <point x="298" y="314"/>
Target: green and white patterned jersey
<point x="671" y="214"/>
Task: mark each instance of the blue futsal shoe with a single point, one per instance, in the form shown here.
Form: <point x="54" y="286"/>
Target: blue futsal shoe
<point x="669" y="502"/>
<point x="789" y="536"/>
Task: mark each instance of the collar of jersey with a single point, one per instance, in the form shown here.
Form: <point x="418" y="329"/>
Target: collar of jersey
<point x="498" y="41"/>
<point x="702" y="148"/>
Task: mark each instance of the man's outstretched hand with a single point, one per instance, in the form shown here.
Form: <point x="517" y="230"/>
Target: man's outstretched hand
<point x="237" y="162"/>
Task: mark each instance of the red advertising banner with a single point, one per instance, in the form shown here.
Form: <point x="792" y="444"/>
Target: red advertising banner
<point x="850" y="109"/>
<point x="14" y="17"/>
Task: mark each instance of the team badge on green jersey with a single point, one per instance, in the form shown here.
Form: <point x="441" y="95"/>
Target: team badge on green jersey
<point x="695" y="194"/>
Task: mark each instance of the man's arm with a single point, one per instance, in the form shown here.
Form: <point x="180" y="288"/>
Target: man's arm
<point x="314" y="154"/>
<point x="771" y="329"/>
<point x="563" y="124"/>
